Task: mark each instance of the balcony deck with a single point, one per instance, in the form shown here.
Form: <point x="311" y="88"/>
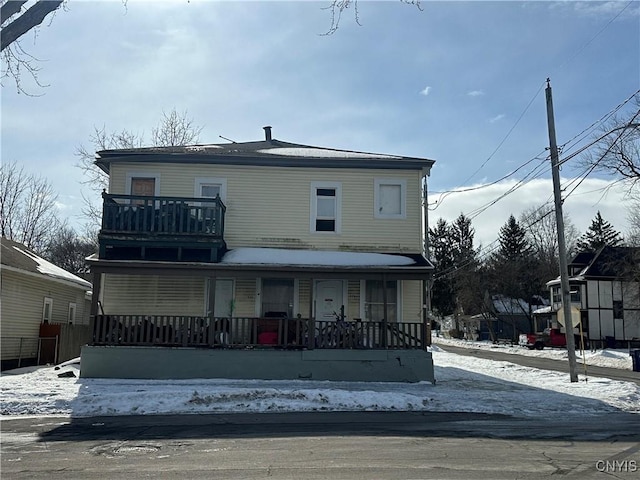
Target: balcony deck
<point x="136" y="227"/>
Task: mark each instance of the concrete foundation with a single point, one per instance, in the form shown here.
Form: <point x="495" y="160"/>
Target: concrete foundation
<point x="264" y="364"/>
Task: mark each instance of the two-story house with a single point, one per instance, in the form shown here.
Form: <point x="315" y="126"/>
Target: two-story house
<point x="605" y="289"/>
<point x="261" y="259"/>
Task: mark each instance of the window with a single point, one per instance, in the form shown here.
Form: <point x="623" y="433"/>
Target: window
<point x="618" y="309"/>
<point x="326" y="206"/>
<point x="277" y="297"/>
<point x="555" y="294"/>
<point x="390" y="198"/>
<point x="71" y="317"/>
<point x="47" y="310"/>
<point x="209" y="187"/>
<point x="374" y="300"/>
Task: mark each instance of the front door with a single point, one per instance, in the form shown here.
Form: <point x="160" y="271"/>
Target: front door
<point x="329" y="299"/>
<point x="144" y="187"/>
<point x="224" y="306"/>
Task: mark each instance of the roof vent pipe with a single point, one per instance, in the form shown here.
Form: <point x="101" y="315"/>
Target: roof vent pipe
<point x="267" y="133"/>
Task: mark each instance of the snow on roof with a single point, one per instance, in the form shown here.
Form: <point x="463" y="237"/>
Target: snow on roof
<point x="47" y="268"/>
<point x="321" y="153"/>
<point x="510" y="306"/>
<point x="201" y="148"/>
<point x="542" y="310"/>
<point x="281" y="256"/>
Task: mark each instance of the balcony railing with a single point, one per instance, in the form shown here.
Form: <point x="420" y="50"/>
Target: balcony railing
<point x="162" y="216"/>
<point x="249" y="332"/>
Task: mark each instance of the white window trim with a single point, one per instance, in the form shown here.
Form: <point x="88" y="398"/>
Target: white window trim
<point x="314" y="206"/>
<point x="208" y="181"/>
<point x="71" y="315"/>
<point x="403" y="197"/>
<point x="363" y="293"/>
<point x="47" y="301"/>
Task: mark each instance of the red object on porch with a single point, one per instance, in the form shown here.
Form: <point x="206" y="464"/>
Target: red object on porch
<point x="268" y="338"/>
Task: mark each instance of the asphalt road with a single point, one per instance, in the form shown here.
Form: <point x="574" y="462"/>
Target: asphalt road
<point x="329" y="445"/>
<point x="545" y="363"/>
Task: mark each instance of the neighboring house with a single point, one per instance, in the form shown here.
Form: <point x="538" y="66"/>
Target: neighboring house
<point x="604" y="286"/>
<point x="506" y="318"/>
<point x="277" y="260"/>
<point x="38" y="298"/>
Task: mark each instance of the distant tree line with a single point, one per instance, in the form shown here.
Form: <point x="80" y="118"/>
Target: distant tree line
<point x="524" y="258"/>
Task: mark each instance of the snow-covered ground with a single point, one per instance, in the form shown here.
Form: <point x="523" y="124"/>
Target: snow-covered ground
<point x="601" y="358"/>
<point x="463" y="384"/>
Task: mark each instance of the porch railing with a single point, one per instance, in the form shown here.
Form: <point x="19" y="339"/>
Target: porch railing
<point x="251" y="332"/>
<point x="138" y="214"/>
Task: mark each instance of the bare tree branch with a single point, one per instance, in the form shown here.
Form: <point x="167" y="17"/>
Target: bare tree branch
<point x="173" y="129"/>
<point x="618" y="148"/>
<point x="28" y="211"/>
<point x="10" y="8"/>
<point x="28" y="20"/>
<point x="338" y="7"/>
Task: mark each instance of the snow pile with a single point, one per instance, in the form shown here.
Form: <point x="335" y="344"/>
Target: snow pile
<point x="464" y="384"/>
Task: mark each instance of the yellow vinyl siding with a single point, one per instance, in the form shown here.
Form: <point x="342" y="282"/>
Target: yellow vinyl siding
<point x="353" y="299"/>
<point x="270" y="206"/>
<point x="22" y="300"/>
<point x="245" y="297"/>
<point x="411" y="301"/>
<point x="153" y="295"/>
<point x="304" y="297"/>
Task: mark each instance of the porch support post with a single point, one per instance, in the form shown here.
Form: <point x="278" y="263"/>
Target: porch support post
<point x="426" y="314"/>
<point x="95" y="297"/>
<point x="212" y="309"/>
<point x="385" y="310"/>
<point x="311" y="341"/>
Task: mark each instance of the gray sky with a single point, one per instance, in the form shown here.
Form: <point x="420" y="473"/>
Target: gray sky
<point x="459" y="82"/>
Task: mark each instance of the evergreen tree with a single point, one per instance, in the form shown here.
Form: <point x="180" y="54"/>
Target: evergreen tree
<point x="599" y="234"/>
<point x="511" y="269"/>
<point x="468" y="281"/>
<point x="442" y="256"/>
<point x="513" y="241"/>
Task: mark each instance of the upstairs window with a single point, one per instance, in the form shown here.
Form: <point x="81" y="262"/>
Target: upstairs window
<point x="326" y="206"/>
<point x="390" y="198"/>
<point x="211" y="187"/>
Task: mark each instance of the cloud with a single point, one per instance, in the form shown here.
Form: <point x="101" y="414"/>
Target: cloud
<point x="581" y="207"/>
<point x="425" y="91"/>
<point x="475" y="93"/>
<point x="497" y="118"/>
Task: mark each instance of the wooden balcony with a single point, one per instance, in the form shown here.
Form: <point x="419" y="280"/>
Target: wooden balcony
<point x="136" y="227"/>
<point x="281" y="333"/>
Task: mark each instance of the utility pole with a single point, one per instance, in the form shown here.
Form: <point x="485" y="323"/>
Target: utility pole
<point x="562" y="250"/>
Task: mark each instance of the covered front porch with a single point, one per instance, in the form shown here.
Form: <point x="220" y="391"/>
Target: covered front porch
<point x="348" y="313"/>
